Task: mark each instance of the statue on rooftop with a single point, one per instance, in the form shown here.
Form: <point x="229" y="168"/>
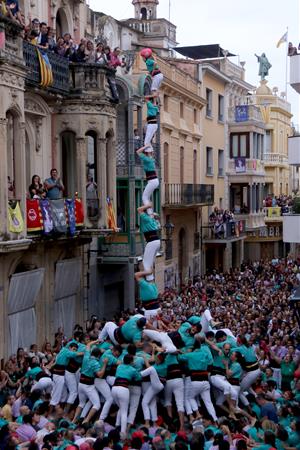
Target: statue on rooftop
<point x="264" y="65"/>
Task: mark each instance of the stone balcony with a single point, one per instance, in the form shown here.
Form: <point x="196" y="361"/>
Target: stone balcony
<point x="275" y="159"/>
<point x="253" y="167"/>
<point x="295" y="72"/>
<point x="253" y="220"/>
<point x="244" y="114"/>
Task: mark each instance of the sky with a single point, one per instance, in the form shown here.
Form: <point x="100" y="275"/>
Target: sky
<point x="244" y="27"/>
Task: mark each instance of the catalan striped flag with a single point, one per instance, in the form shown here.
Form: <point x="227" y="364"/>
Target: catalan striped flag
<point x="111" y="217"/>
<point x="45" y="69"/>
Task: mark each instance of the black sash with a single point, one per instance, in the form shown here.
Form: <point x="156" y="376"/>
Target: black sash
<point x="152" y="120"/>
<point x="41" y="375"/>
<point x="148" y="305"/>
<point x="73" y="366"/>
<point x="119" y="336"/>
<point x="249" y="367"/>
<point x="218" y="371"/>
<point x="57" y="369"/>
<point x="151" y="175"/>
<point x="199" y="375"/>
<point x="86" y="380"/>
<point x="151" y="236"/>
<point x="123" y="382"/>
<point x="234" y="381"/>
<point x="174" y="372"/>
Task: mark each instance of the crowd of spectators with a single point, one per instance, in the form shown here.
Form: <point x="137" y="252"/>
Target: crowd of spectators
<point x="218" y="219"/>
<point x="281" y="201"/>
<point x="292" y="50"/>
<point x="252" y="301"/>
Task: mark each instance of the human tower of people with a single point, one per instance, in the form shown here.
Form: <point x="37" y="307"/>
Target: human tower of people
<point x="144" y="362"/>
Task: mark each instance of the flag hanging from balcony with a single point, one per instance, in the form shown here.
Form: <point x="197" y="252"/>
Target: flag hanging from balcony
<point x="47" y="215"/>
<point x="111" y="217"/>
<point x="34" y="215"/>
<point x="79" y="213"/>
<point x="15" y="218"/>
<point x="45" y="69"/>
<point x="58" y="210"/>
<point x="71" y="219"/>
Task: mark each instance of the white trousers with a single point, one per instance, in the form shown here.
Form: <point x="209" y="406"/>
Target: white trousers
<point x="59" y="391"/>
<point x="104" y="390"/>
<point x="205" y="321"/>
<point x="134" y="400"/>
<point x="71" y="381"/>
<point x="175" y="387"/>
<point x="150" y="132"/>
<point x="190" y="403"/>
<point x="148" y="191"/>
<point x="149" y="401"/>
<point x="150" y="252"/>
<point x="220" y="382"/>
<point x="162" y="338"/>
<point x="202" y="388"/>
<point x="151" y="313"/>
<point x="157" y="81"/>
<point x="120" y="395"/>
<point x="246" y="383"/>
<point x="44" y="384"/>
<point x="88" y="392"/>
<point x="108" y="331"/>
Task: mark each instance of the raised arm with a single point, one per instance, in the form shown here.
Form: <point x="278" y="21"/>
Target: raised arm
<point x="143" y="208"/>
<point x="140" y="150"/>
<point x="139" y="275"/>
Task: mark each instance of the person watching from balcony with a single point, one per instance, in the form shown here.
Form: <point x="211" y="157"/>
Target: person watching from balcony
<point x="292" y="50"/>
<point x="146" y="154"/>
<point x="54" y="186"/>
<point x="36" y="189"/>
<point x="51" y="39"/>
<point x="115" y="60"/>
<point x="100" y="57"/>
<point x="42" y="40"/>
<point x="59" y="48"/>
<point x="69" y="45"/>
<point x="14" y="12"/>
<point x="90" y="55"/>
<point x="79" y="55"/>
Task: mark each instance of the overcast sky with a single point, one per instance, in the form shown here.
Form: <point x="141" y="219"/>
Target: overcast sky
<point x="244" y="27"/>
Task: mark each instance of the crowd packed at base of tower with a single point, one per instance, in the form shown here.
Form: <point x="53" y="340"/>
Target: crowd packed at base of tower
<point x="217" y="367"/>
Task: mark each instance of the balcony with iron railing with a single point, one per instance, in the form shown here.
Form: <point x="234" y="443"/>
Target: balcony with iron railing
<point x="119" y="246"/>
<point x="252" y="167"/>
<point x="233" y="230"/>
<point x="184" y="195"/>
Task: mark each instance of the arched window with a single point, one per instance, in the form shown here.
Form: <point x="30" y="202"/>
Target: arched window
<point x="92" y="200"/>
<point x="69" y="163"/>
<point x="143" y="14"/>
<point x="62" y="25"/>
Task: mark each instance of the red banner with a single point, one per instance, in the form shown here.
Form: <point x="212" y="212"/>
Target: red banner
<point x="34" y="215"/>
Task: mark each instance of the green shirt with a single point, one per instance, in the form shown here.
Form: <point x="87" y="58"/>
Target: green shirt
<point x="147" y="291"/>
<point x="247" y="352"/>
<point x="196" y="360"/>
<point x="147" y="223"/>
<point x="130" y="330"/>
<point x="152" y="110"/>
<point x="151" y="65"/>
<point x="187" y="338"/>
<point x="90" y="365"/>
<point x="128" y="372"/>
<point x="32" y="373"/>
<point x="236" y="370"/>
<point x="63" y="357"/>
<point x="148" y="163"/>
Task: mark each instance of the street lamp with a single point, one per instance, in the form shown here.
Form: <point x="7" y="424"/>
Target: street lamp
<point x="169" y="229"/>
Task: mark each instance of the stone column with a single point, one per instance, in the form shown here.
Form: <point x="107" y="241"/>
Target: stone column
<point x="227" y="258"/>
<point x="111" y="164"/>
<point x="101" y="171"/>
<point x="250" y="199"/>
<point x="3" y="177"/>
<point x="81" y="151"/>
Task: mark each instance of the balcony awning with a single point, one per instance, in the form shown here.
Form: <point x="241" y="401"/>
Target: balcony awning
<point x="203" y="51"/>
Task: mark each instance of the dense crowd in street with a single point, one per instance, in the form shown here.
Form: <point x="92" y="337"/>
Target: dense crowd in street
<point x="217" y="368"/>
<point x="282" y="201"/>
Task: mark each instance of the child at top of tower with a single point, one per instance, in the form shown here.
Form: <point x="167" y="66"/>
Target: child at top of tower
<point x="153" y="69"/>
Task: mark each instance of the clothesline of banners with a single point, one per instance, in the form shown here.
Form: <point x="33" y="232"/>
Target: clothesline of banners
<point x="48" y="216"/>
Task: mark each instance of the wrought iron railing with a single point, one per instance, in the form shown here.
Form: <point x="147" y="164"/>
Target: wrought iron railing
<point x="227" y="230"/>
<point x="59" y="65"/>
<point x="189" y="194"/>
